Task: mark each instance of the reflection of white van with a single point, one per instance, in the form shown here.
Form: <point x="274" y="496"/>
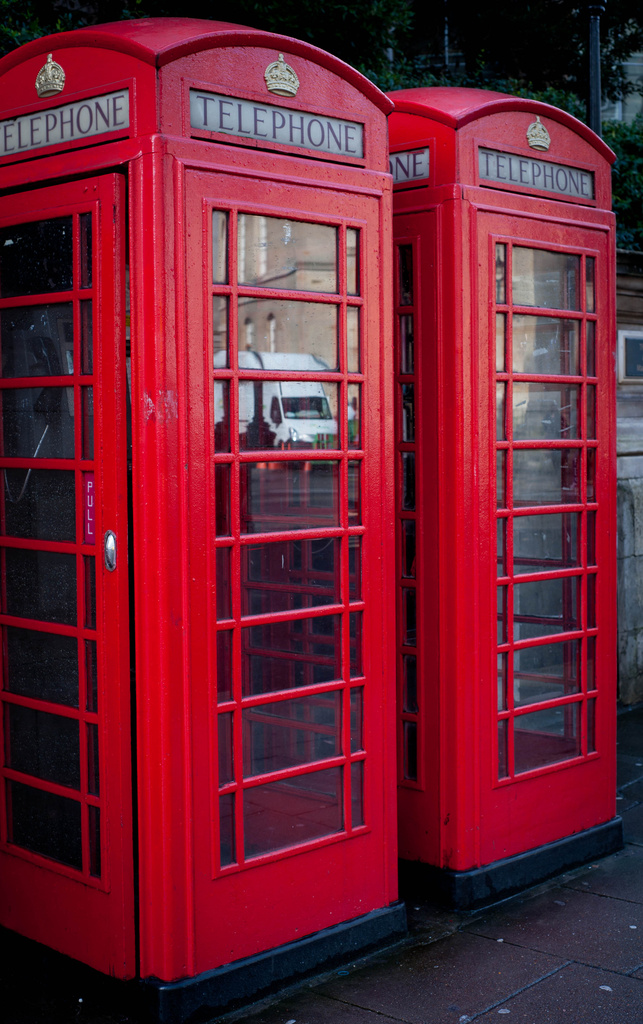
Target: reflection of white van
<point x="300" y="414"/>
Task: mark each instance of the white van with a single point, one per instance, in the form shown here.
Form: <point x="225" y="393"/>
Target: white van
<point x="295" y="414"/>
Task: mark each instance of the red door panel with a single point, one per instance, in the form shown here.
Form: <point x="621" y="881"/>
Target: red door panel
<point x="66" y="864"/>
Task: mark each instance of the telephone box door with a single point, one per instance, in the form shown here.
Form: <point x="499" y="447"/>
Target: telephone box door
<point x="546" y="305"/>
<point x="290" y="450"/>
<point x="65" y="798"/>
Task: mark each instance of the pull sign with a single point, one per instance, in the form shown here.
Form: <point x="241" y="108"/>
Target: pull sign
<point x="89" y="500"/>
<point x="110" y="551"/>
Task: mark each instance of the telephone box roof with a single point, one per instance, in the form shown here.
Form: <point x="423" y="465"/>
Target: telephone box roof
<point x="159" y="41"/>
<point x="456" y="107"/>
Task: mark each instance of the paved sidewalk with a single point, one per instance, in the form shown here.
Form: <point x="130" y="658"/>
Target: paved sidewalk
<point x="568" y="952"/>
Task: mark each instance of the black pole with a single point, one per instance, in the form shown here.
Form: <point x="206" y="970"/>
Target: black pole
<point x="594" y="104"/>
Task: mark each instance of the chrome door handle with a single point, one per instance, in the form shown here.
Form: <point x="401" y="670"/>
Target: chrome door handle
<point x="109" y="547"/>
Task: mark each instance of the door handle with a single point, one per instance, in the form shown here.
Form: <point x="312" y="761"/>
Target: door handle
<point x="109" y="548"/>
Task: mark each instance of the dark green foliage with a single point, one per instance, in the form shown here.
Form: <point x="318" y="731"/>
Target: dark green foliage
<point x="536" y="48"/>
<point x="627" y="180"/>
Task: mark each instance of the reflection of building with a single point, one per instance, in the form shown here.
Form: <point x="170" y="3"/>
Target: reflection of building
<point x="629" y="106"/>
<point x="629" y="412"/>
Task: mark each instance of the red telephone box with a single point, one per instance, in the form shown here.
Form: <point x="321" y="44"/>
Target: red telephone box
<point x="194" y="227"/>
<point x="506" y="524"/>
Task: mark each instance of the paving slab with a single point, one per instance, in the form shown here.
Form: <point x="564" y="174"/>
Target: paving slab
<point x="441" y="982"/>
<point x="310" y="1008"/>
<point x="574" y="995"/>
<point x="628" y="769"/>
<point x="620" y="876"/>
<point x="629" y="727"/>
<point x="596" y="930"/>
<point x="632" y="792"/>
<point x="633" y="825"/>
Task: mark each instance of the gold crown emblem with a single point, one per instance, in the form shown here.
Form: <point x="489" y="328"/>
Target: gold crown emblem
<point x="50" y="79"/>
<point x="538" y="136"/>
<point x="281" y="78"/>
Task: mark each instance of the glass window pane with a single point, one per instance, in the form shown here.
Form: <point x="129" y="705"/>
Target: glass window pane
<point x="357" y="719"/>
<point x="501" y="494"/>
<point x="405" y="274"/>
<point x="227" y="844"/>
<point x="408" y="481"/>
<point x="357" y="794"/>
<point x="591" y="663"/>
<point x="43" y="745"/>
<point x="542" y="344"/>
<point x="219" y="331"/>
<point x="89" y="565"/>
<point x="501" y="614"/>
<point x="40" y="585"/>
<point x="545" y="411"/>
<point x="41" y="665"/>
<point x="502" y="682"/>
<point x="591" y="538"/>
<point x="591" y="726"/>
<point x="222" y="499"/>
<point x="501" y="341"/>
<point x="590" y="329"/>
<point x="93" y="814"/>
<point x="544" y="607"/>
<point x="288" y="414"/>
<point x="224" y="729"/>
<point x="278" y="253"/>
<point x="354" y="494"/>
<point x="407" y="359"/>
<point x="287" y="733"/>
<point x="353" y="356"/>
<point x="219" y="247"/>
<point x="221" y="400"/>
<point x="590" y="278"/>
<point x="501" y="273"/>
<point x="87" y="406"/>
<point x="93" y="772"/>
<point x="542" y="543"/>
<point x="410" y="688"/>
<point x="224" y="665"/>
<point x="284" y="334"/>
<point x="410" y="750"/>
<point x="39" y="504"/>
<point x="292" y="811"/>
<point x="352" y="261"/>
<point x="355" y="568"/>
<point x="408" y="412"/>
<point x="288" y="496"/>
<point x="590" y="392"/>
<point x="52" y="268"/>
<point x="85" y="236"/>
<point x="591" y="601"/>
<point x="409" y="616"/>
<point x="86" y="338"/>
<point x="356" y="640"/>
<point x="501" y="543"/>
<point x="224" y="607"/>
<point x="546" y="672"/>
<point x="354" y="392"/>
<point x="549" y="279"/>
<point x="408" y="548"/>
<point x="545" y="737"/>
<point x="45" y="823"/>
<point x="38" y="423"/>
<point x="289" y="575"/>
<point x="546" y="476"/>
<point x="591" y="474"/>
<point x="38" y="341"/>
<point x="501" y="390"/>
<point x="503" y="762"/>
<point x="91" y="675"/>
<point x="286" y="655"/>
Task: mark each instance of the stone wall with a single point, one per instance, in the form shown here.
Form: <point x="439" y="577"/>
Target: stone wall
<point x="629" y="462"/>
